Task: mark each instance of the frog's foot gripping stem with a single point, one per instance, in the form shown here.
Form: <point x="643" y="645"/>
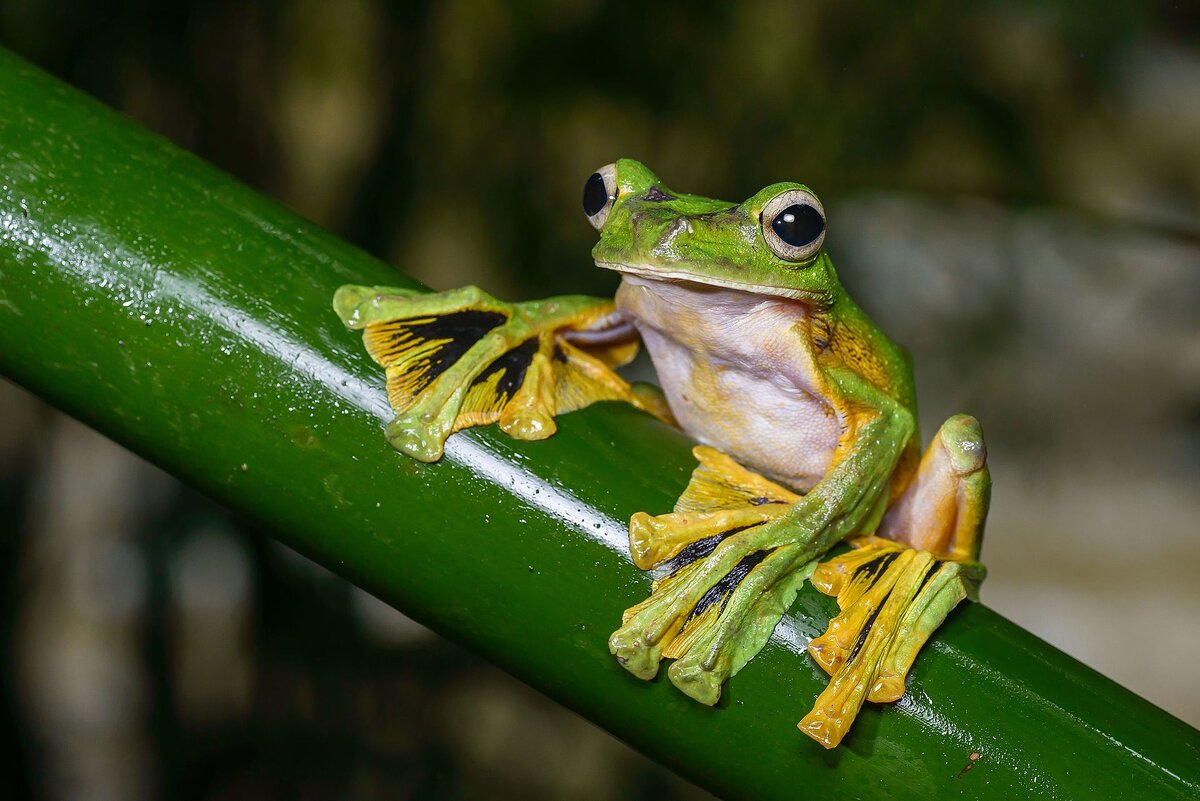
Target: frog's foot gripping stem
<point x="462" y="358"/>
<point x="892" y="597"/>
<point x="717" y="598"/>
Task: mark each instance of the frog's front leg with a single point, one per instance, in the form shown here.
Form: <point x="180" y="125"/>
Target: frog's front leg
<point x="894" y="593"/>
<point x="463" y="358"/>
<point x="714" y="613"/>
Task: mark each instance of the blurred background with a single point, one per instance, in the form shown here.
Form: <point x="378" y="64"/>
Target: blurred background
<point x="1013" y="191"/>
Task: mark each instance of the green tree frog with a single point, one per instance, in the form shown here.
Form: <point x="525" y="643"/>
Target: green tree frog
<point x="805" y="410"/>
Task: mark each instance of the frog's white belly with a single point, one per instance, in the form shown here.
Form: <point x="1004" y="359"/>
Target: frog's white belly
<point x="735" y="374"/>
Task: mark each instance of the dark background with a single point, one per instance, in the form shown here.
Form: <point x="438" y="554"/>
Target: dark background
<point x="1013" y="192"/>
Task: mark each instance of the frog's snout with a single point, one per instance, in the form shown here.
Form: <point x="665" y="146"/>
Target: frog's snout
<point x="680" y="227"/>
<point x="673" y="233"/>
<point x="683" y="224"/>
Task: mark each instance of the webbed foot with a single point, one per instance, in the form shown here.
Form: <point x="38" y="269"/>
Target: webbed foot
<point x="892" y="598"/>
<point x="462" y="358"/>
<point x="719" y="594"/>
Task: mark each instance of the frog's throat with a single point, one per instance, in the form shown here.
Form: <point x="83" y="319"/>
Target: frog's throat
<point x="809" y="297"/>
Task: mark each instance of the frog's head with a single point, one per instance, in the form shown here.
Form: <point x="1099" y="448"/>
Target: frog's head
<point x="769" y="244"/>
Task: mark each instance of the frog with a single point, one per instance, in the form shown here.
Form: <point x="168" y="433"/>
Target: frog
<point x="809" y="460"/>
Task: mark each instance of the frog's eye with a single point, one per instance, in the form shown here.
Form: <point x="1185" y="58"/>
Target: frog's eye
<point x="793" y="223"/>
<point x="598" y="195"/>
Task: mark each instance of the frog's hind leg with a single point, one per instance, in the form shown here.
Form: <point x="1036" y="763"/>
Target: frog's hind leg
<point x="462" y="358"/>
<point x="943" y="510"/>
<point x="894" y="590"/>
<point x="710" y="621"/>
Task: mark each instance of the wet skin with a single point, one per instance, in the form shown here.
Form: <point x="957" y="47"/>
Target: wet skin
<point x="805" y="410"/>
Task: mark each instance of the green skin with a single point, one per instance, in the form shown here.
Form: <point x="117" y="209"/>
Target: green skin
<point x="660" y="241"/>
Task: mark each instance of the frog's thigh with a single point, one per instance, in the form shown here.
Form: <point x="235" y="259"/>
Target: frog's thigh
<point x="943" y="510"/>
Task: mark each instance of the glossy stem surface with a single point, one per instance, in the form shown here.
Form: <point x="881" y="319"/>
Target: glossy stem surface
<point x="188" y="318"/>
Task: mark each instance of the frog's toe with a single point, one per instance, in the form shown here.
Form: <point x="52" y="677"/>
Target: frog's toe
<point x="721" y="499"/>
<point x="946" y="584"/>
<point x="675" y="540"/>
<point x="651" y="626"/>
<point x="891" y="598"/>
<point x="415" y="438"/>
<point x="719" y="648"/>
<point x="711" y="615"/>
<point x="634" y="653"/>
<point x="362" y="306"/>
<point x="530" y="414"/>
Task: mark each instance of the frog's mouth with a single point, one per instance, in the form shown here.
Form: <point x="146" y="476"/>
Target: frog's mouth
<point x="806" y="296"/>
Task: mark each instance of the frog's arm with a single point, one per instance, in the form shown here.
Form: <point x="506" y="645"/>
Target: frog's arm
<point x="462" y="358"/>
<point x="732" y="570"/>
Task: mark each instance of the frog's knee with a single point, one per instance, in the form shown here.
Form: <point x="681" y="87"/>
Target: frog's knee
<point x="962" y="437"/>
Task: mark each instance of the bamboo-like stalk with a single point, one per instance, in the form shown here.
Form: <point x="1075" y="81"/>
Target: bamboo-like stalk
<point x="188" y="318"/>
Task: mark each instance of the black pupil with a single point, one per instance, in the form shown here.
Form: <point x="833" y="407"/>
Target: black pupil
<point x="799" y="225"/>
<point x="595" y="195"/>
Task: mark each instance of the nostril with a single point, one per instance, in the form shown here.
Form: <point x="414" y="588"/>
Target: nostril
<point x="680" y="225"/>
<point x="671" y="233"/>
<point x="658" y="195"/>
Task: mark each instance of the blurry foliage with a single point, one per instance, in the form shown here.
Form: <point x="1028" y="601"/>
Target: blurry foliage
<point x="452" y="139"/>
